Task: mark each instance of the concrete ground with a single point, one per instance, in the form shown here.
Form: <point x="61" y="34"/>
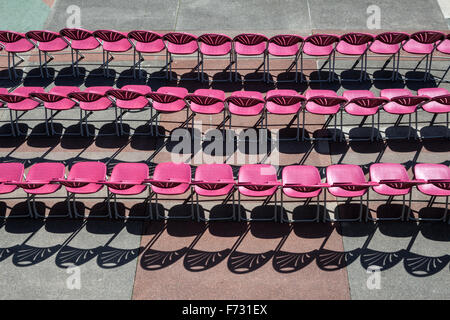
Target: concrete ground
<point x="220" y="260"/>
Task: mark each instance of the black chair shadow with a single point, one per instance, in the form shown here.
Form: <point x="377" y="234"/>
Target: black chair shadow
<point x="7" y="138"/>
<point x="216" y="144"/>
<point x="226" y="86"/>
<point x="349" y="80"/>
<point x="198" y="260"/>
<point x="416" y="85"/>
<point x="71" y="256"/>
<point x="381" y="76"/>
<point x="367" y="146"/>
<point x="330" y="260"/>
<point x="96" y="77"/>
<point x="39" y="139"/>
<point x="242" y="262"/>
<point x="141" y="141"/>
<point x="401" y="131"/>
<point x="34" y="79"/>
<point x="65" y="77"/>
<point x="126" y="77"/>
<point x="107" y="138"/>
<point x="5" y="253"/>
<point x="363" y="133"/>
<point x="424" y="266"/>
<point x="431" y="212"/>
<point x="383" y="260"/>
<point x="153" y="259"/>
<point x="294" y="147"/>
<point x="350" y="210"/>
<point x="110" y="257"/>
<point x="436" y="144"/>
<point x="5" y="82"/>
<point x="323" y="76"/>
<point x="288" y="262"/>
<point x="219" y="211"/>
<point x="72" y="140"/>
<point x="26" y="255"/>
<point x="247" y="142"/>
<point x="403" y="145"/>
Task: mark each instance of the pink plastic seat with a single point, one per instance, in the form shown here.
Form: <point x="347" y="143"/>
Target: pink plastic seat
<point x="250" y="44"/>
<point x="438" y="178"/>
<point x="319" y="45"/>
<point x="245" y="103"/>
<point x="170" y="178"/>
<point x="439" y="102"/>
<point x="19" y="100"/>
<point x="284" y="101"/>
<point x="303" y="182"/>
<point x="257" y="180"/>
<point x="145" y="41"/>
<point x="444" y="46"/>
<point x="55" y="99"/>
<point x="325" y="102"/>
<point x="79" y="39"/>
<point x="214" y="44"/>
<point x="213" y="180"/>
<point x="46" y="41"/>
<point x="424" y="43"/>
<point x="83" y="178"/>
<point x="284" y="45"/>
<point x="10" y="172"/>
<point x="356" y="44"/>
<point x="168" y="100"/>
<point x="393" y="181"/>
<point x="390" y="43"/>
<point x="348" y="181"/>
<point x="112" y="41"/>
<point x="92" y="99"/>
<point x="14" y="43"/>
<point x="207" y="101"/>
<point x="180" y="43"/>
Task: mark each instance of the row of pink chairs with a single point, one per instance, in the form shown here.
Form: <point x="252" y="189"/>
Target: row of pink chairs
<point x="422" y="43"/>
<point x="217" y="180"/>
<point x="211" y="101"/>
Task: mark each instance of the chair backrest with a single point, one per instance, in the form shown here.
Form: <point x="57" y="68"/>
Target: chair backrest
<point x="94" y="170"/>
<point x="443" y="99"/>
<point x="357" y="38"/>
<point x="322" y="40"/>
<point x="47" y="97"/>
<point x="286" y="40"/>
<point x="327" y="101"/>
<point x="123" y="94"/>
<point x="12" y="171"/>
<point x="427" y="37"/>
<point x="11" y="97"/>
<point x="46" y="170"/>
<point x="285" y="100"/>
<point x="75" y="33"/>
<point x="42" y="35"/>
<point x="392" y="37"/>
<point x="162" y="97"/>
<point x="85" y="96"/>
<point x="250" y="39"/>
<point x="180" y="172"/>
<point x="345" y="173"/>
<point x="243" y="102"/>
<point x="10" y="36"/>
<point x="179" y="37"/>
<point x="202" y="100"/>
<point x="369" y="102"/>
<point x="214" y="39"/>
<point x="144" y="36"/>
<point x="129" y="172"/>
<point x="257" y="173"/>
<point x="409" y="101"/>
<point x="109" y="35"/>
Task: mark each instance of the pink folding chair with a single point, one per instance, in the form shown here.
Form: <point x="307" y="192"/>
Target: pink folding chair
<point x="348" y="181"/>
<point x="401" y="103"/>
<point x="363" y="103"/>
<point x="168" y="100"/>
<point x="301" y="182"/>
<point x="126" y="179"/>
<point x="437" y="177"/>
<point x="55" y="100"/>
<point x="39" y="180"/>
<point x="90" y="100"/>
<point x="85" y="177"/>
<point x="180" y="43"/>
<point x="250" y="44"/>
<point x="112" y="41"/>
<point x="356" y="44"/>
<point x="130" y="98"/>
<point x="258" y="180"/>
<point x="79" y="40"/>
<point x="393" y="181"/>
<point x="423" y="43"/>
<point x="283" y="102"/>
<point x="215" y="44"/>
<point x="19" y="100"/>
<point x="11" y="172"/>
<point x="325" y="102"/>
<point x="171" y="179"/>
<point x="438" y="104"/>
<point x="444" y="46"/>
<point x="246" y="103"/>
<point x="214" y="180"/>
<point x="390" y="43"/>
<point x="320" y="45"/>
<point x="14" y="43"/>
<point x="206" y="101"/>
<point x="145" y="42"/>
<point x="284" y="45"/>
<point x="46" y="41"/>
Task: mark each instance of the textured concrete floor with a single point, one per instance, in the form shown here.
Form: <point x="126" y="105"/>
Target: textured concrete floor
<point x="228" y="260"/>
